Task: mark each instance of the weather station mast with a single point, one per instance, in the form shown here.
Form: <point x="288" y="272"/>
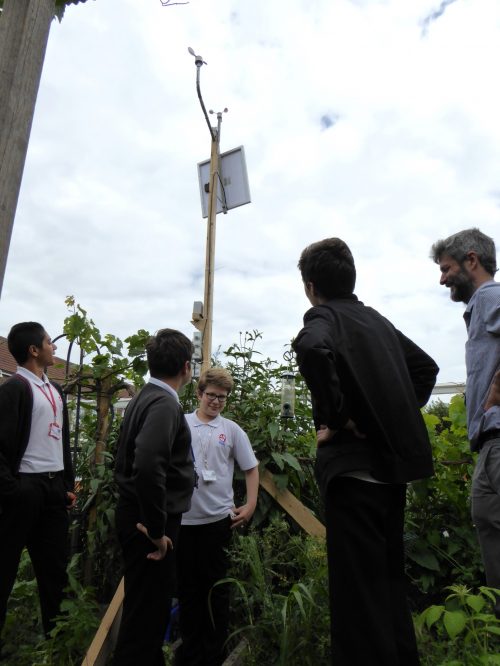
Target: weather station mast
<point x="223" y="185"/>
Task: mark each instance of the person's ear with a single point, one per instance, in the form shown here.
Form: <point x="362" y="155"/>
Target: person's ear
<point x="472" y="260"/>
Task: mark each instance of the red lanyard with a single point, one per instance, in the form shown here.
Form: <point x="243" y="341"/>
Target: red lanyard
<point x="51" y="399"/>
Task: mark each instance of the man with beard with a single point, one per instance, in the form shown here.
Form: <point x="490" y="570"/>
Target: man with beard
<point x="467" y="261"/>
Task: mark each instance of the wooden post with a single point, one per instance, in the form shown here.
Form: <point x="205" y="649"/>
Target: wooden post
<point x="208" y="305"/>
<point x="24" y="32"/>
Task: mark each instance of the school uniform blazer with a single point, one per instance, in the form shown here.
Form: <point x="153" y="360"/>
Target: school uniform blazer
<point x="154" y="463"/>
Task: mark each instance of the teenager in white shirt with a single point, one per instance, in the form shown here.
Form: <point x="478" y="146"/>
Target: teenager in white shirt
<point x="206" y="529"/>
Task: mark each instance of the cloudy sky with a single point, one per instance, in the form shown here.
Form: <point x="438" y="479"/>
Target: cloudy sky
<point x="373" y="120"/>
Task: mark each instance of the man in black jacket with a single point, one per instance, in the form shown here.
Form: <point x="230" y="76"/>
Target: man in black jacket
<point x="155" y="477"/>
<point x="36" y="474"/>
<point x="368" y="382"/>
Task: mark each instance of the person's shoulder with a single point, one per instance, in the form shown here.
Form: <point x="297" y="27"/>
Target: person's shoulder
<point x="232" y="426"/>
<point x="486" y="299"/>
<point x="15" y="384"/>
<point x="490" y="290"/>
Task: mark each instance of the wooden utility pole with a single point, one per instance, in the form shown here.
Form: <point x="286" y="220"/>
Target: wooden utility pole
<point x="24" y="32"/>
<point x="203" y="320"/>
<point x="208" y="307"/>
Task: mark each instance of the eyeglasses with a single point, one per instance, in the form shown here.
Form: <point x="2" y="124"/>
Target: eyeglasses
<point x="213" y="396"/>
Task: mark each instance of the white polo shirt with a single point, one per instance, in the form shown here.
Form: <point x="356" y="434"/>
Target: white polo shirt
<point x="216" y="445"/>
<point x="44" y="452"/>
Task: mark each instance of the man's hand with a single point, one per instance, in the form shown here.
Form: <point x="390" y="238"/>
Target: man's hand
<point x="162" y="544"/>
<point x="325" y="434"/>
<point x="242" y="515"/>
<point x="70" y="500"/>
<point x="493" y="397"/>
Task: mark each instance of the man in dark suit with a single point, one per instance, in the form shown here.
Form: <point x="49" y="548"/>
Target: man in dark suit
<point x="36" y="474"/>
<point x="155" y="477"/>
<point x="368" y="382"/>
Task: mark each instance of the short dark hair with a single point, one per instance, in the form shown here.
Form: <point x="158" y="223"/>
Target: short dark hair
<point x="22" y="336"/>
<point x="469" y="240"/>
<point x="329" y="265"/>
<point x="167" y="352"/>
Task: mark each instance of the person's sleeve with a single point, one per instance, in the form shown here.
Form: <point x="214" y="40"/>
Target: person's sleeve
<point x="421" y="367"/>
<point x="492" y="311"/>
<point x="316" y="359"/>
<point x="9" y="419"/>
<point x="153" y="447"/>
<point x="243" y="451"/>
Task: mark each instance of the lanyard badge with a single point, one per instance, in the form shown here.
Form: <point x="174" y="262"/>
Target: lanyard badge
<point x="55" y="429"/>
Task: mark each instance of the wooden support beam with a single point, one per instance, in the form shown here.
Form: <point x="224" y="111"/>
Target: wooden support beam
<point x="236" y="656"/>
<point x="105" y="638"/>
<point x="292" y="506"/>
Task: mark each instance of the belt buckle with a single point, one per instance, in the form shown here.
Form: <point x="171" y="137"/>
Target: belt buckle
<point x="51" y="475"/>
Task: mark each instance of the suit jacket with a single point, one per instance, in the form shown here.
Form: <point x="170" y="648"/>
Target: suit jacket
<point x="154" y="463"/>
<point x="358" y="366"/>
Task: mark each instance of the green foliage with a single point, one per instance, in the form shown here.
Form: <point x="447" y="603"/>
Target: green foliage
<point x="280" y="595"/>
<point x="97" y="490"/>
<point x="440" y="540"/>
<point x="463" y="630"/>
<point x="61" y="5"/>
<point x="108" y="359"/>
<point x="22" y="630"/>
<point x="24" y="641"/>
<point x="284" y="446"/>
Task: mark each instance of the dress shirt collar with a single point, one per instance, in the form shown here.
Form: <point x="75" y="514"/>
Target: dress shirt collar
<point x="213" y="423"/>
<point x="166" y="387"/>
<point x="27" y="374"/>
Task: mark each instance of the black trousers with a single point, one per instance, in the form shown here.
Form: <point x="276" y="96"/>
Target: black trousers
<point x="149" y="588"/>
<point x="36" y="518"/>
<point x="370" y="619"/>
<point x="202" y="560"/>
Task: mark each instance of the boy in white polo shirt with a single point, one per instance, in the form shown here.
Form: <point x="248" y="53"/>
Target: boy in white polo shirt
<point x="206" y="529"/>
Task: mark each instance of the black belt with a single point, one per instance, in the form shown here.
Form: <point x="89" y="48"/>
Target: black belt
<point x="487" y="436"/>
<point x="48" y="475"/>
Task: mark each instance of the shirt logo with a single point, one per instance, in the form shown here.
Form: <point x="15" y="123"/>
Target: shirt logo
<point x="222" y="438"/>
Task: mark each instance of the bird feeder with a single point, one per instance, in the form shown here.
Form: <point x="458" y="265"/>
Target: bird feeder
<point x="287" y="395"/>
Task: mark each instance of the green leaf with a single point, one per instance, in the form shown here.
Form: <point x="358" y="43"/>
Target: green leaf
<point x="475" y="601"/>
<point x="273" y="429"/>
<point x="292" y="461"/>
<point x="454" y="622"/>
<point x="493" y="629"/>
<point x="278" y="459"/>
<point x="425" y="558"/>
<point x="432" y="615"/>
